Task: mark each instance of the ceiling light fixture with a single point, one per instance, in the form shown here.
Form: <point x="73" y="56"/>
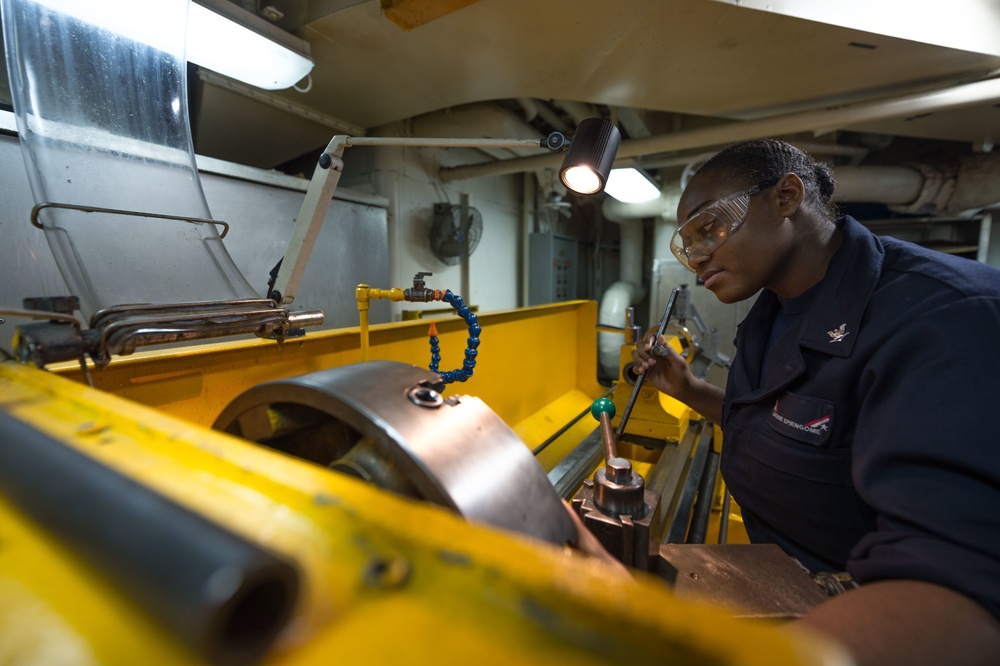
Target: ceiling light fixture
<point x="631" y="185"/>
<point x="591" y="153"/>
<point x="221" y="36"/>
<point x="227" y="39"/>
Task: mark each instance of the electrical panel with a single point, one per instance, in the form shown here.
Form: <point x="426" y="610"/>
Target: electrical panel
<point x="552" y="269"/>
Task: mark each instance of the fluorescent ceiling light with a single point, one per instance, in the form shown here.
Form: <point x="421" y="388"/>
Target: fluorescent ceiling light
<point x="631" y="186"/>
<point x="221" y="37"/>
<point x="236" y="43"/>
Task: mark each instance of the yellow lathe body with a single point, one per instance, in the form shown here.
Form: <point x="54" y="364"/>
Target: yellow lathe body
<point x="382" y="578"/>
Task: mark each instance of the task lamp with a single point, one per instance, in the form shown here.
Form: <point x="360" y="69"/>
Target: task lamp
<point x="588" y="162"/>
<point x="589" y="158"/>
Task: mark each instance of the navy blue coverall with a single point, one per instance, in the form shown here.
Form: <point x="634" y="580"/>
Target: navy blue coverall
<point x="870" y="446"/>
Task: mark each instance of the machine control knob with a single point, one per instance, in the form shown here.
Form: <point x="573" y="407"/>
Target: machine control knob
<point x="604" y="410"/>
<point x="602" y="406"/>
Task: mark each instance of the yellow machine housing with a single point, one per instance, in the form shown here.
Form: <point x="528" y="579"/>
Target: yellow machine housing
<point x="383" y="579"/>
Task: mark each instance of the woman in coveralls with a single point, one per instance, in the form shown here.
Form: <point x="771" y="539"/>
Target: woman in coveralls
<point x="858" y="415"/>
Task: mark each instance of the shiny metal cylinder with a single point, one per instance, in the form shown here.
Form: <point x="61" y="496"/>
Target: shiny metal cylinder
<point x="454" y="451"/>
<point x="302" y="318"/>
<point x="618" y="490"/>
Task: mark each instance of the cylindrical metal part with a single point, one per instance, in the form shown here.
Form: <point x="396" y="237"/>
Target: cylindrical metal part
<point x="364" y="461"/>
<point x="619" y="499"/>
<point x="575" y="467"/>
<point x="455" y="452"/>
<point x="222" y="596"/>
<point x="724" y="520"/>
<point x="703" y="504"/>
<point x="618" y="470"/>
<point x="302" y="318"/>
<point x="608" y="438"/>
<point x="49" y="342"/>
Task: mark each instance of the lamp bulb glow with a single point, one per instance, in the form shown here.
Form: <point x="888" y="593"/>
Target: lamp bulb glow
<point x="581" y="179"/>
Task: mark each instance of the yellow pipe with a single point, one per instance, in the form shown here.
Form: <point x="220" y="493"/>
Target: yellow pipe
<point x="364" y="293"/>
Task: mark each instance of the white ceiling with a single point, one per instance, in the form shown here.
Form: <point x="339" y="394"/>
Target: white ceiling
<point x="679" y="63"/>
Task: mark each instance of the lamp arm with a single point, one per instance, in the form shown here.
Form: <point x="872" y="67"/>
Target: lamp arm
<point x="323" y="184"/>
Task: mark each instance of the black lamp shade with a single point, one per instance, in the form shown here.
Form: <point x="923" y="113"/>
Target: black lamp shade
<point x="591" y="152"/>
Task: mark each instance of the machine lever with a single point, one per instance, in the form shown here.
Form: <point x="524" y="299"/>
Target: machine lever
<point x="617" y="490"/>
<point x="638" y="382"/>
<point x="604" y="410"/>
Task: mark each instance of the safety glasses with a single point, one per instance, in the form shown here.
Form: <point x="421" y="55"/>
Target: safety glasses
<point x="710" y="227"/>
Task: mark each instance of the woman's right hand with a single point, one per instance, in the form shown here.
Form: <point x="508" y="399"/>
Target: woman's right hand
<point x="670" y="374"/>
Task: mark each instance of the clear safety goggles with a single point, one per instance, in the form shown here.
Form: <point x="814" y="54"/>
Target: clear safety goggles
<point x="710" y="227"/>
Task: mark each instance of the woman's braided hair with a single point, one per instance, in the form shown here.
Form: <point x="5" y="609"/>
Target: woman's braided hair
<point x="762" y="160"/>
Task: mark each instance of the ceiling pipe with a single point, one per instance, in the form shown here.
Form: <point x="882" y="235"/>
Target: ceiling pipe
<point x="957" y="97"/>
<point x="878" y="184"/>
<point x="578" y="111"/>
<point x="621" y="295"/>
<point x="529" y="107"/>
<point x="482" y="120"/>
<point x="553" y="120"/>
<point x="971" y="184"/>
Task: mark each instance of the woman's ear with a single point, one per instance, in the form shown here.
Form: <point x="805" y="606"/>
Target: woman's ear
<point x="789" y="194"/>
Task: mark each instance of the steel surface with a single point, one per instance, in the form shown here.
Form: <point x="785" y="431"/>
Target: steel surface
<point x="454" y="452"/>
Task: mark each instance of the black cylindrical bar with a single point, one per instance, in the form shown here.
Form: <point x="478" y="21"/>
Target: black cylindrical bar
<point x="682" y="512"/>
<point x="703" y="504"/>
<point x="223" y="597"/>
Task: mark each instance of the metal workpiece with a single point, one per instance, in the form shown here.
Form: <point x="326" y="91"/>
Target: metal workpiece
<point x="364" y="419"/>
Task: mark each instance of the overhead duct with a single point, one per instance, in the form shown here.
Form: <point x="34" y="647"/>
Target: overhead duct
<point x="621" y="295"/>
<point x="918" y="188"/>
<point x="923" y="189"/>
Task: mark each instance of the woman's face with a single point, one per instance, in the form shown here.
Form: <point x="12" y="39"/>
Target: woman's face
<point x="751" y="257"/>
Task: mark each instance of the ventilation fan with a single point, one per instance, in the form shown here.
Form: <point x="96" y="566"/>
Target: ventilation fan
<point x="453" y="235"/>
